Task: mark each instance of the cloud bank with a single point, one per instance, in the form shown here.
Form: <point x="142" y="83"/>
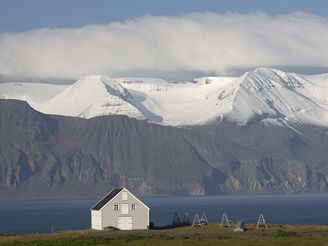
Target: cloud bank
<point x="209" y="43"/>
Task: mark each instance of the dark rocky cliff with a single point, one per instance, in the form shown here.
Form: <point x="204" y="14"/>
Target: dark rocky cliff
<point x="45" y="156"/>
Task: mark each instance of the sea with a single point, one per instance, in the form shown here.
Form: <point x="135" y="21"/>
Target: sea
<point x="44" y="216"/>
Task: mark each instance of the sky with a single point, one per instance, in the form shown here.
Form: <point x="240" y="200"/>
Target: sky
<point x="68" y="39"/>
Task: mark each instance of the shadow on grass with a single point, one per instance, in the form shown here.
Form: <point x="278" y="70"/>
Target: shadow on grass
<point x="282" y="233"/>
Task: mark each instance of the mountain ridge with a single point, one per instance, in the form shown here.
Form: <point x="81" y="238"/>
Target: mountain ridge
<point x="264" y="92"/>
<point x="49" y="156"/>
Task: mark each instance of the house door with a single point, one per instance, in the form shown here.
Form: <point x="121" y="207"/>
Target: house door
<point x="125" y="223"/>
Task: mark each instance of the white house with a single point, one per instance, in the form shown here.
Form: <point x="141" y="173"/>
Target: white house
<point x="120" y="209"/>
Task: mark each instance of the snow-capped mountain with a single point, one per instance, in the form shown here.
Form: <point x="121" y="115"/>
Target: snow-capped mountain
<point x="89" y="97"/>
<point x="274" y="95"/>
<point x="266" y="94"/>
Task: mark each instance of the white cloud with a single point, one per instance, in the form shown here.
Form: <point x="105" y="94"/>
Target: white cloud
<point x="205" y="42"/>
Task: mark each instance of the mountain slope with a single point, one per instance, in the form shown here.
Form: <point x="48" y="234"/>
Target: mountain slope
<point x="44" y="156"/>
<point x="270" y="93"/>
<point x="265" y="94"/>
<point x="89" y="97"/>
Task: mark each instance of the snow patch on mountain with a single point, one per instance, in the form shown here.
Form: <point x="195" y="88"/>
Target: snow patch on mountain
<point x="276" y="94"/>
<point x="265" y="94"/>
<point x="89" y="97"/>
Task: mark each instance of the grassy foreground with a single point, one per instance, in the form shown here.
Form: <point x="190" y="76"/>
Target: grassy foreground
<point x="207" y="235"/>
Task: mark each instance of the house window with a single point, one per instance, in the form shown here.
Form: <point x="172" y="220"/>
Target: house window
<point x="124" y="196"/>
<point x="133" y="206"/>
<point x="116" y="207"/>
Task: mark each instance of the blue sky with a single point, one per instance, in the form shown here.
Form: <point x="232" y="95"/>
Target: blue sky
<point x="24" y="15"/>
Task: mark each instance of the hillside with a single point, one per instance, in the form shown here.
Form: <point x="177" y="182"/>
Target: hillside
<point x="45" y="156"/>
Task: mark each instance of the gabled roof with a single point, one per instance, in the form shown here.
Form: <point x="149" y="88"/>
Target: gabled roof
<point x="106" y="199"/>
<point x="137" y="198"/>
<point x="110" y="196"/>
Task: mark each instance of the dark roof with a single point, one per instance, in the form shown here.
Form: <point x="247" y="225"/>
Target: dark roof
<point x="106" y="199"/>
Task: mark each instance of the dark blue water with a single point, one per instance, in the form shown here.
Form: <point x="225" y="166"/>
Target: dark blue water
<point x="42" y="216"/>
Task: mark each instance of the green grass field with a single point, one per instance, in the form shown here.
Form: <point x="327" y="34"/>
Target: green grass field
<point x="207" y="235"/>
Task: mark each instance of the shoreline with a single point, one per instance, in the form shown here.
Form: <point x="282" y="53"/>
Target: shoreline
<point x="13" y="200"/>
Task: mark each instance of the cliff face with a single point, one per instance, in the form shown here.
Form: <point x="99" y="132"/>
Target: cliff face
<point x="45" y="156"/>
